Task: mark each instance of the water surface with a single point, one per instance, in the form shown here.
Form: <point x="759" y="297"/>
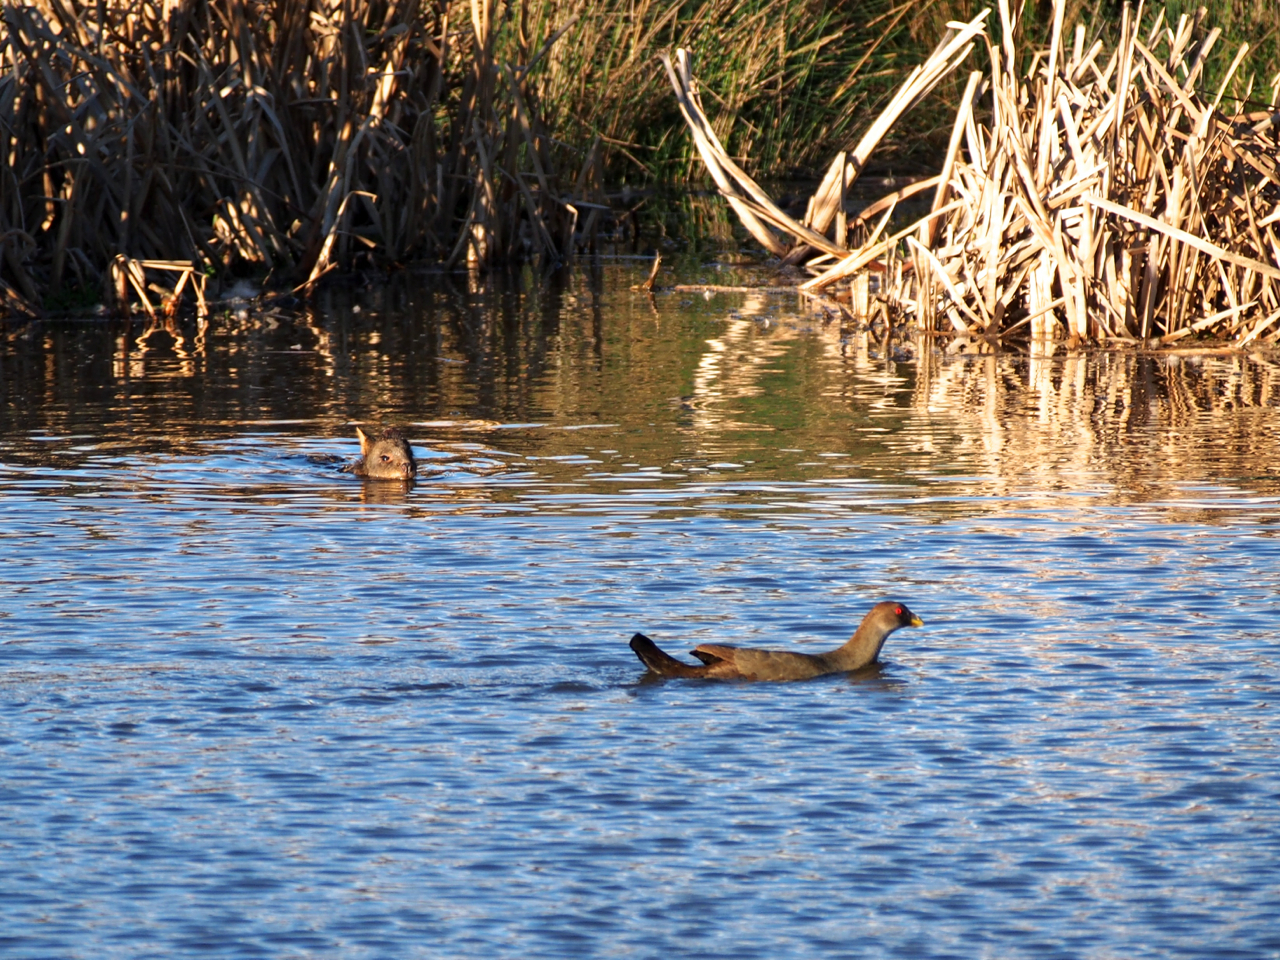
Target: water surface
<point x="254" y="707"/>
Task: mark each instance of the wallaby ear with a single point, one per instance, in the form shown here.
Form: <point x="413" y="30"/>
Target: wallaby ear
<point x="365" y="442"/>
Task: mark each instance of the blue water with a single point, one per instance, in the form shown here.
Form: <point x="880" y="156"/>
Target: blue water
<point x="250" y="706"/>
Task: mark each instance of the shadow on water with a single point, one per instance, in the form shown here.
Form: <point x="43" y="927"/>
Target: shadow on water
<point x="250" y="704"/>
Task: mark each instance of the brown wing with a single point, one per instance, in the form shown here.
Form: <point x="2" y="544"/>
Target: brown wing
<point x="750" y="664"/>
<point x="710" y="653"/>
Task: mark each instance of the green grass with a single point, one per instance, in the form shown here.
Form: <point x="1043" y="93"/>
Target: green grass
<point x="1255" y="22"/>
<point x="789" y="82"/>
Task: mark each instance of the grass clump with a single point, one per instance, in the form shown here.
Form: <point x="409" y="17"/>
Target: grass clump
<point x="789" y="78"/>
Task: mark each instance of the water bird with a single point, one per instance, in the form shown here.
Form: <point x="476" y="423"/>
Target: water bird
<point x="385" y="457"/>
<point x="721" y="662"/>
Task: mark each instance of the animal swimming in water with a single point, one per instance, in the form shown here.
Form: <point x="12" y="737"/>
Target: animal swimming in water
<point x="385" y="457"/>
<point x="721" y="662"/>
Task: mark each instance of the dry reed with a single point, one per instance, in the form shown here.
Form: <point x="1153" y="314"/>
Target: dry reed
<point x="147" y="144"/>
<point x="1103" y="196"/>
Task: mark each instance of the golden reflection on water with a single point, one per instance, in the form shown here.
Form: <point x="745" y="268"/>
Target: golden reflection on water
<point x="1135" y="418"/>
<point x="681" y="381"/>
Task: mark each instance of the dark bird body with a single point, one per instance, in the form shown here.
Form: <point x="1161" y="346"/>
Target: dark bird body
<point x="385" y="457"/>
<point x="740" y="663"/>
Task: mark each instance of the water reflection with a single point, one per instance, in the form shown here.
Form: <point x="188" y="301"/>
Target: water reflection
<point x="1133" y="421"/>
<point x="686" y="381"/>
<point x="382" y="719"/>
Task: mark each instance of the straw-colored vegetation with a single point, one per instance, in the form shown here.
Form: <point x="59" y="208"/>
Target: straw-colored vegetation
<point x="1087" y="193"/>
<point x="150" y="145"/>
<point x="155" y="151"/>
<point x="214" y="138"/>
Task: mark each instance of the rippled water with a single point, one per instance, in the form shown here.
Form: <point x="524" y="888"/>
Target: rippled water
<point x="253" y="707"/>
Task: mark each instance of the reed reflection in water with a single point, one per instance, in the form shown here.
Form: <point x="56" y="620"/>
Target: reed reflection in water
<point x="253" y="706"/>
<point x="727" y="373"/>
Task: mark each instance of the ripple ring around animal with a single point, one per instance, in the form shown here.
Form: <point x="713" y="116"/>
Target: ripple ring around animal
<point x="387" y="456"/>
<point x="739" y="663"/>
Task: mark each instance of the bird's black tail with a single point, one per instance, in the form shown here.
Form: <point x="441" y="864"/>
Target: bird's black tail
<point x="661" y="663"/>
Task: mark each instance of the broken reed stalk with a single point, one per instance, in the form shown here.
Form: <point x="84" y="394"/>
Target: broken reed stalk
<point x="184" y="138"/>
<point x="754" y="207"/>
<point x="1103" y="197"/>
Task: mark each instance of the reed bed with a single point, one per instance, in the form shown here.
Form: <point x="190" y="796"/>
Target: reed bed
<point x="151" y="146"/>
<point x="1096" y="196"/>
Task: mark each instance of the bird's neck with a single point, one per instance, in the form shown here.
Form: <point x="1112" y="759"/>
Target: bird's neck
<point x="862" y="649"/>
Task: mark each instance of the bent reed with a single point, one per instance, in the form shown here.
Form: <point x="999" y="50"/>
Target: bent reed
<point x="151" y="145"/>
<point x="1092" y="196"/>
<point x="233" y="137"/>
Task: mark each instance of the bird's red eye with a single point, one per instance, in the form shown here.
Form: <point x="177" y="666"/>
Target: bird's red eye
<point x="898" y="611"/>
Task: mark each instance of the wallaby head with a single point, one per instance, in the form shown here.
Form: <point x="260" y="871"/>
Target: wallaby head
<point x="385" y="457"/>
